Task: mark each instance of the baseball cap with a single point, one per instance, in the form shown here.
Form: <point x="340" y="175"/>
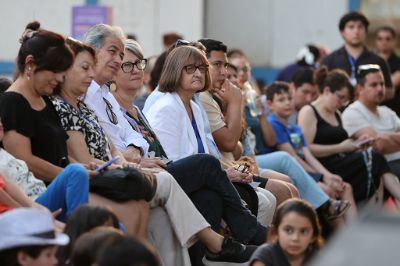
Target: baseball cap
<point x="28" y="227"/>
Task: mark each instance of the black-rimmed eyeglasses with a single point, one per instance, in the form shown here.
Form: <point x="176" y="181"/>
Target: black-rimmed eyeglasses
<point x="190" y="69"/>
<point x="110" y="113"/>
<point x="128" y="67"/>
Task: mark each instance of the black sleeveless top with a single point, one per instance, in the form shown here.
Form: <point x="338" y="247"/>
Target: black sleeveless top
<point x="326" y="133"/>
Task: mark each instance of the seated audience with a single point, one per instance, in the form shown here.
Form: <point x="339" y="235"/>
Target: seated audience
<point x="290" y="138"/>
<point x="168" y="193"/>
<point x="329" y="142"/>
<point x="33" y="132"/>
<point x="365" y="117"/>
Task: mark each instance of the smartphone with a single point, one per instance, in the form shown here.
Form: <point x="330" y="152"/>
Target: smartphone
<point x="365" y="141"/>
<point x="106" y="164"/>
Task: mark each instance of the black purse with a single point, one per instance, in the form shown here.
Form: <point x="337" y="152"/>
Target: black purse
<point x="124" y="184"/>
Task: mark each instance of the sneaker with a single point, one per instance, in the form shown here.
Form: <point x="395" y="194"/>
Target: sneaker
<point x="232" y="253"/>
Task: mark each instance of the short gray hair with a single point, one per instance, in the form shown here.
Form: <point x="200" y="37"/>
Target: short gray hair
<point x="96" y="35"/>
<point x="134" y="47"/>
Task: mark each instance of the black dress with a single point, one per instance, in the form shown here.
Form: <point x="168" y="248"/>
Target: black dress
<point x="352" y="167"/>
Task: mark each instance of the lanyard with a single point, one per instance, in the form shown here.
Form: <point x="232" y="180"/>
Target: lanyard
<point x="353" y="63"/>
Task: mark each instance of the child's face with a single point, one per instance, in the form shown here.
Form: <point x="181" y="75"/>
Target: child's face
<point x="46" y="258"/>
<point x="282" y="105"/>
<point x="295" y="234"/>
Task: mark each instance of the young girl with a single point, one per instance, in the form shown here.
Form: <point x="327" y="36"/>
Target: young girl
<point x="298" y="235"/>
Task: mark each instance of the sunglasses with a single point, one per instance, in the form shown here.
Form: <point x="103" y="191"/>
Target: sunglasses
<point x="190" y="69"/>
<point x="181" y="42"/>
<point x="110" y="113"/>
<point x="128" y="67"/>
<point x="367" y="67"/>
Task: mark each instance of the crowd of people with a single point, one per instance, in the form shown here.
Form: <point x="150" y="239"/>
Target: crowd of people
<point x="110" y="157"/>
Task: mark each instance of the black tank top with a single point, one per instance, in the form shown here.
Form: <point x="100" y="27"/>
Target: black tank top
<point x="327" y="133"/>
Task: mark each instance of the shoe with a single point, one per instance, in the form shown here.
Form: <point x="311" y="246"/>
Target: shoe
<point x="336" y="209"/>
<point x="232" y="253"/>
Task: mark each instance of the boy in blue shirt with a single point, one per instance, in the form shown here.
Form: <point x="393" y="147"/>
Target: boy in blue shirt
<point x="290" y="138"/>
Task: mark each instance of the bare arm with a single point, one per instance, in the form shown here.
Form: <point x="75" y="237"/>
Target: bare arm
<point x="20" y="147"/>
<point x="267" y="130"/>
<point x="311" y="160"/>
<point x="78" y="149"/>
<point x="308" y="123"/>
<point x="383" y="142"/>
<point x="228" y="136"/>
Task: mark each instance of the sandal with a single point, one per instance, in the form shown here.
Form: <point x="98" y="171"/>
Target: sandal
<point x="336" y="209"/>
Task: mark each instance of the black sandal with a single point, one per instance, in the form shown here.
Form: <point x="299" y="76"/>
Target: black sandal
<point x="338" y="210"/>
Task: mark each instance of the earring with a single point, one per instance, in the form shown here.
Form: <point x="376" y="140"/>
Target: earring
<point x="113" y="87"/>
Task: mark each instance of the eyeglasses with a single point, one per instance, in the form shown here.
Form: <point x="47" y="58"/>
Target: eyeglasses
<point x="180" y="42"/>
<point x="110" y="113"/>
<point x="342" y="98"/>
<point x="128" y="67"/>
<point x="367" y="67"/>
<point x="190" y="69"/>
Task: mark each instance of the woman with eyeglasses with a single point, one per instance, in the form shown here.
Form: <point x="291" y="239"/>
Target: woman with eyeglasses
<point x="176" y="118"/>
<point x="34" y="141"/>
<point x="188" y="171"/>
<point x="322" y="126"/>
<point x="88" y="142"/>
<point x="79" y="121"/>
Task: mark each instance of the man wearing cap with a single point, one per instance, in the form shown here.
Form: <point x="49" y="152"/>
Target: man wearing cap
<point x="365" y="117"/>
<point x="353" y="27"/>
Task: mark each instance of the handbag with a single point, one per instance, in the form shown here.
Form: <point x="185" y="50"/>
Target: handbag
<point x="123" y="184"/>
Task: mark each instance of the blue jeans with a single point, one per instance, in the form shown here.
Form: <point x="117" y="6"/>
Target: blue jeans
<point x="67" y="191"/>
<point x="282" y="162"/>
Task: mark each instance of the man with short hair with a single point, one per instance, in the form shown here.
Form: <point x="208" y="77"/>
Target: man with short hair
<point x="385" y="42"/>
<point x="353" y="27"/>
<point x="303" y="90"/>
<point x="212" y="194"/>
<point x="365" y="117"/>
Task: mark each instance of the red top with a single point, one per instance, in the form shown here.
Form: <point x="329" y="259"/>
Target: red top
<point x="3" y="207"/>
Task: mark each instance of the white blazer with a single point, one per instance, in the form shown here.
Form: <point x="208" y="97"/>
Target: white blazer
<point x="170" y="121"/>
